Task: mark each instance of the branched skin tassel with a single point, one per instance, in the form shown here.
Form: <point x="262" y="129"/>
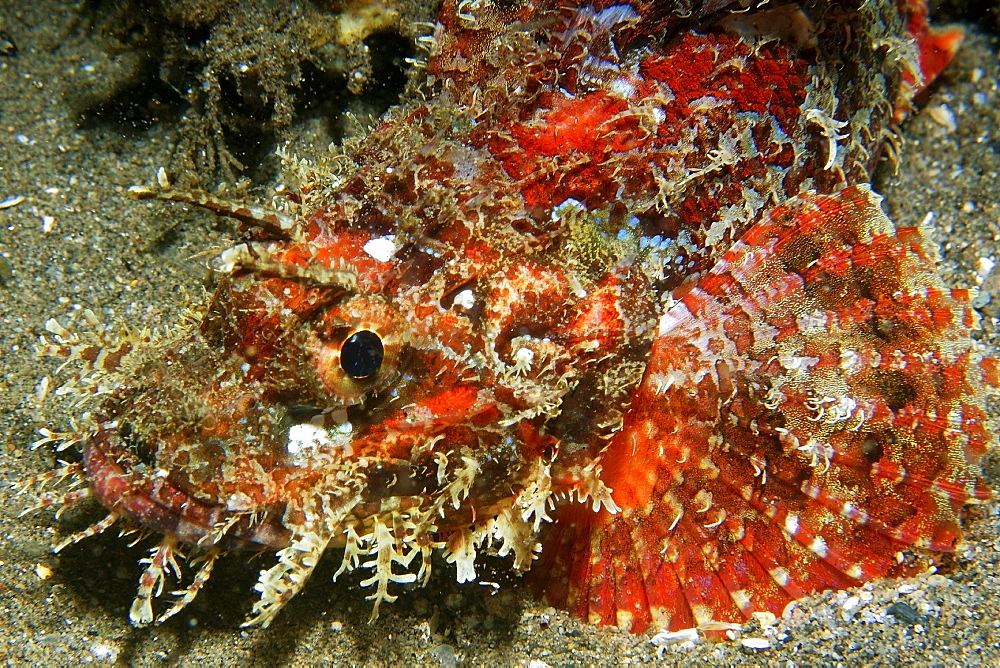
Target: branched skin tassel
<point x="615" y="299"/>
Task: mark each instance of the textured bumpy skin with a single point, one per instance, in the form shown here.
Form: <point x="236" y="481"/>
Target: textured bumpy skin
<point x="614" y="298"/>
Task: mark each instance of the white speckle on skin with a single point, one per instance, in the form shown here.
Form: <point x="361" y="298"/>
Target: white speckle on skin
<point x="623" y="88"/>
<point x="382" y="248"/>
<point x="465" y="299"/>
<point x="523" y="359"/>
<point x="818" y="546"/>
<point x="304" y="439"/>
<point x="226" y="261"/>
<point x="239" y="502"/>
<point x="673" y="316"/>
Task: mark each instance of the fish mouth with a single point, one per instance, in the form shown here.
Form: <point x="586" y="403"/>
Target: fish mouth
<point x="154" y="502"/>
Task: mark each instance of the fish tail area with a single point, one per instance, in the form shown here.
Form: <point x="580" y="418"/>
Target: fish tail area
<point x="812" y="408"/>
<point x="935" y="49"/>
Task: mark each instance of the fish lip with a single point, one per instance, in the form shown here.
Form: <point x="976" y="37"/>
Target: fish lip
<point x="155" y="503"/>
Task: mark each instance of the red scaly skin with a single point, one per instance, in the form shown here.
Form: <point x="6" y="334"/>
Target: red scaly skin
<point x="614" y="298"/>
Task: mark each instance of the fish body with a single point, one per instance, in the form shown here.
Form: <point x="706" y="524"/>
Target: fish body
<point x="614" y="298"/>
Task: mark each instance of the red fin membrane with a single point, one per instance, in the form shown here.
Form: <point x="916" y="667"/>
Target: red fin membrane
<point x="812" y="407"/>
<point x="935" y="49"/>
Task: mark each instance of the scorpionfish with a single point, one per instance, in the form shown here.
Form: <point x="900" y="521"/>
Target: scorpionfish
<point x="612" y="297"/>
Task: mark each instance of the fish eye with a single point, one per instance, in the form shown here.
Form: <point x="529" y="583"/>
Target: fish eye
<point x="354" y="349"/>
<point x="361" y="354"/>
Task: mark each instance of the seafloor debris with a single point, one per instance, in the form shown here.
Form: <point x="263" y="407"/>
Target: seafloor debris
<point x="235" y="74"/>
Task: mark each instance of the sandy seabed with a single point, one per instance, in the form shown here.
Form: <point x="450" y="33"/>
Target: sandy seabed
<point x="75" y="241"/>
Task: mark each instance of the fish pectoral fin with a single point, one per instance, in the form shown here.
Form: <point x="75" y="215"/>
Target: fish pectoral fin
<point x="812" y="406"/>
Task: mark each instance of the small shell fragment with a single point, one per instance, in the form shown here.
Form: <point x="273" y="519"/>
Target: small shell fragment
<point x="851" y="603"/>
<point x="665" y="638"/>
<point x="943" y="116"/>
<point x="756" y="643"/>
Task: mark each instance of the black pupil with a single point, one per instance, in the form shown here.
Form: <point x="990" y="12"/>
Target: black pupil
<point x="361" y="355"/>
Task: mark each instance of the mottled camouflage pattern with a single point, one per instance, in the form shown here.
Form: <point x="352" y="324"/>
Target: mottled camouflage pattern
<point x="642" y="319"/>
